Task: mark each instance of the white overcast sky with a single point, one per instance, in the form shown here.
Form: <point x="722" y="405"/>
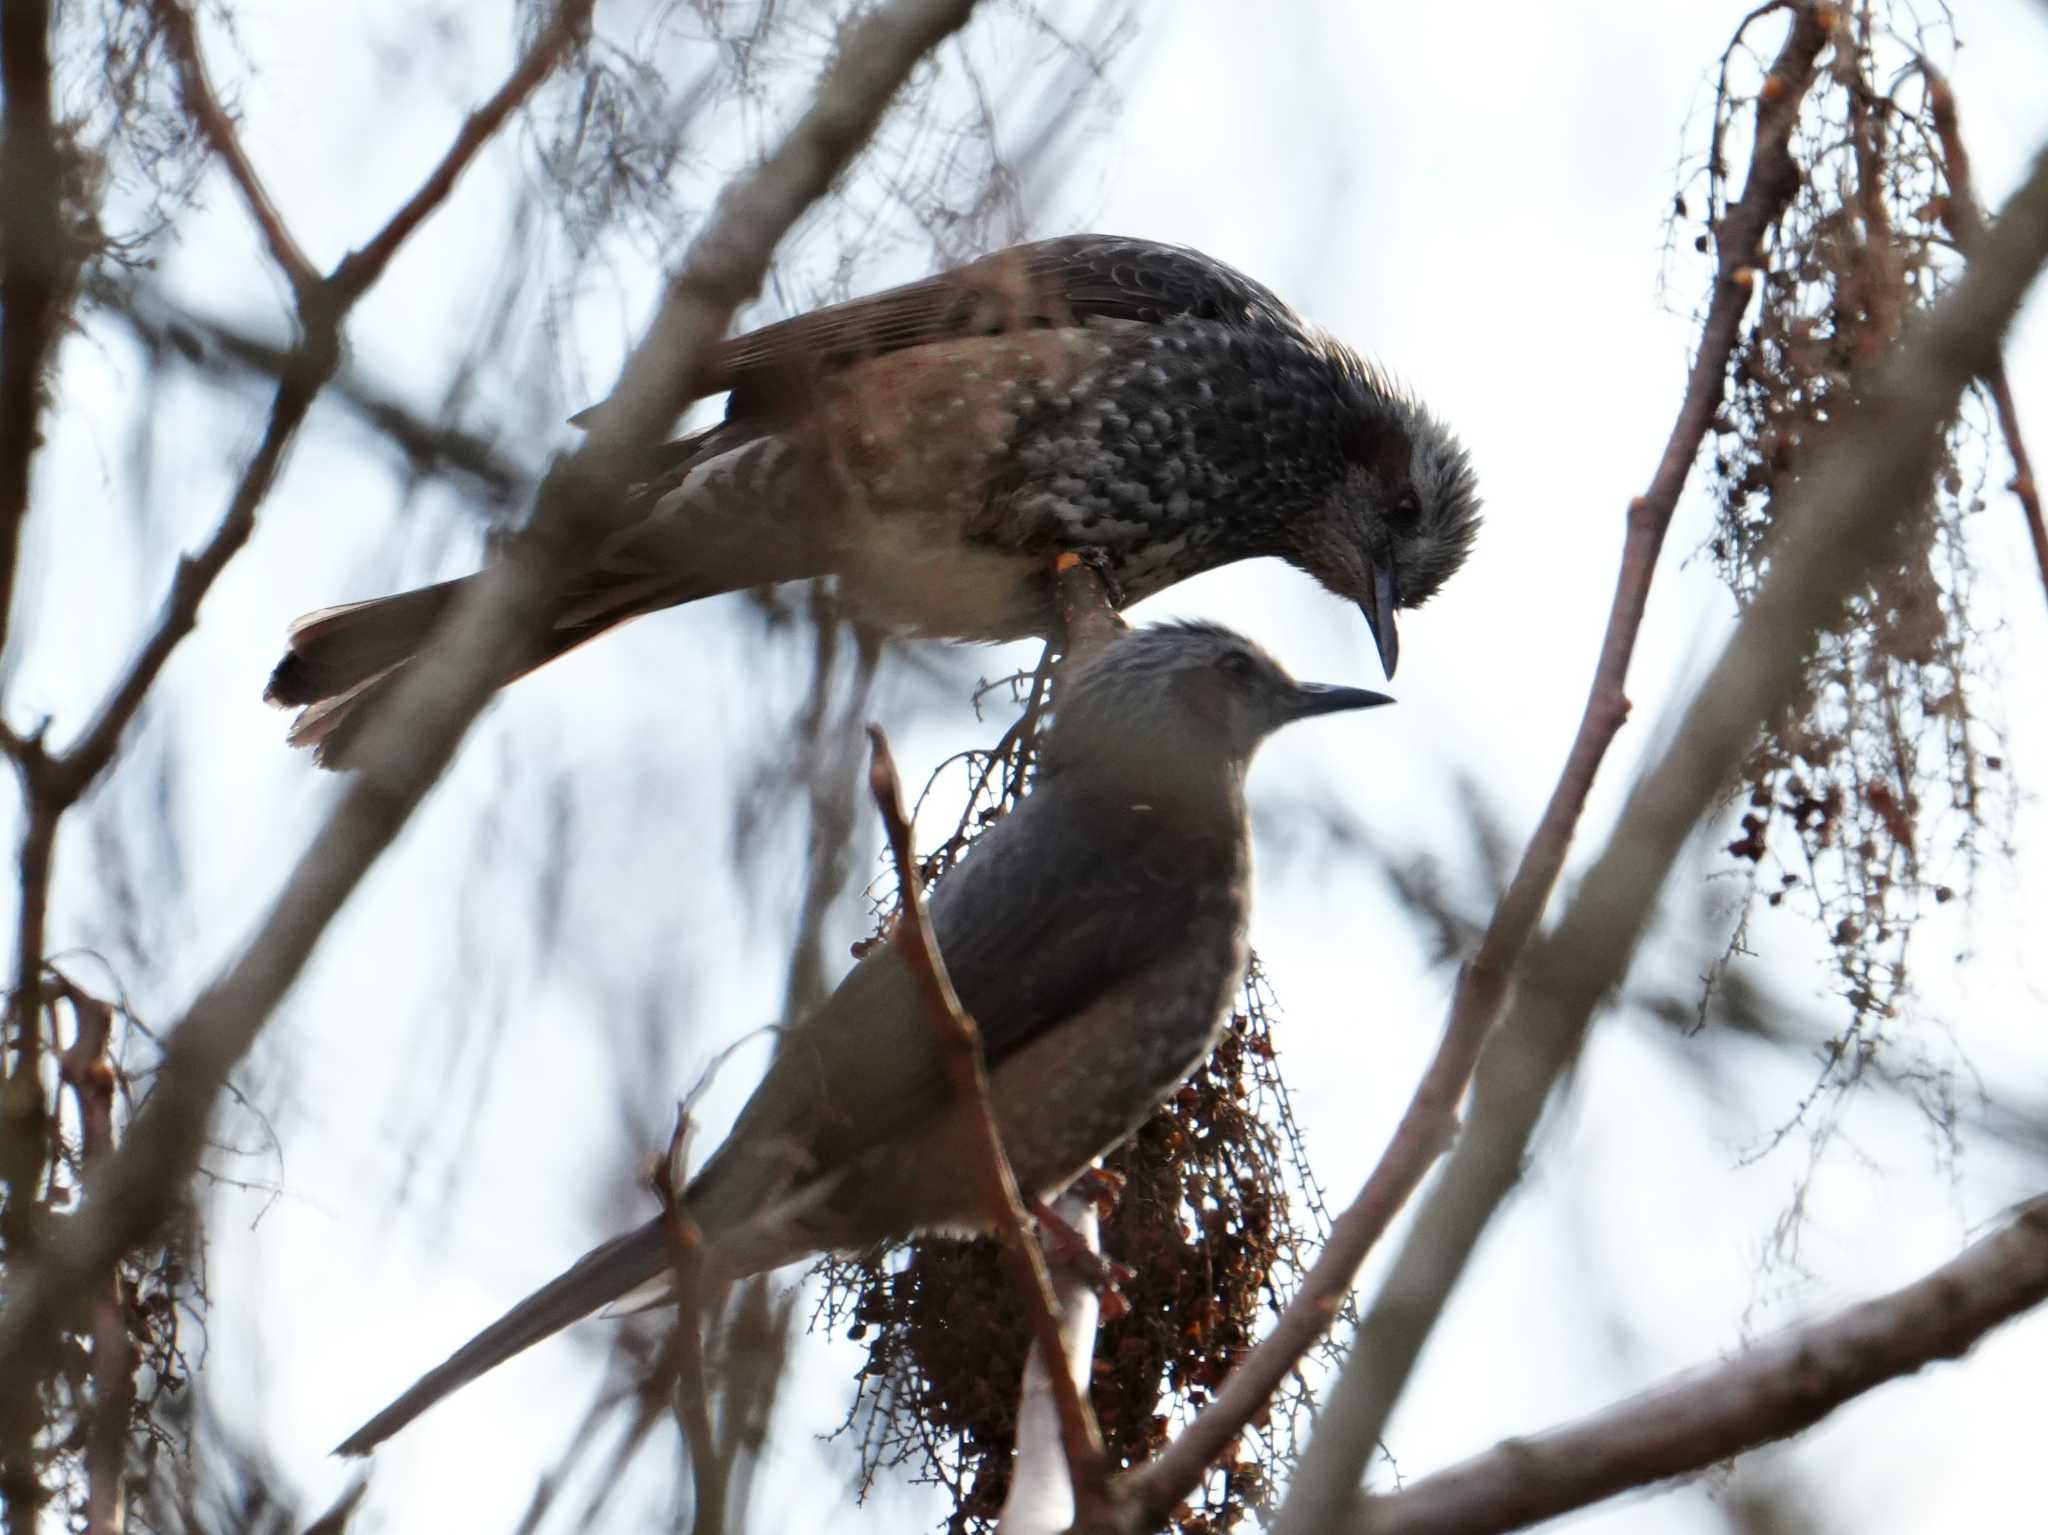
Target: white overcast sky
<point x="1474" y="195"/>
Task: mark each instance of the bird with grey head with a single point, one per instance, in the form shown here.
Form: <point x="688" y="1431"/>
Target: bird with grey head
<point x="1096" y="935"/>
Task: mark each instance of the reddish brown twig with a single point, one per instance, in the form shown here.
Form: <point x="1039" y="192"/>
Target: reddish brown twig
<point x="214" y="125"/>
<point x="130" y="1200"/>
<point x="692" y="1393"/>
<point x="960" y="1054"/>
<point x="1430" y="1121"/>
<point x="86" y="1069"/>
<point x="1965" y="222"/>
<point x="1769" y="1391"/>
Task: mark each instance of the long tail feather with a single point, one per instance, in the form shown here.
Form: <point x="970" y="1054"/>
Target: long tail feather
<point x="601" y="1276"/>
<point x="343" y="660"/>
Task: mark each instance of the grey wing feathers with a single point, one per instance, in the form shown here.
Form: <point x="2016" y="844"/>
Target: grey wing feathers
<point x="599" y="1277"/>
<point x="1031" y="940"/>
<point x="1049" y="913"/>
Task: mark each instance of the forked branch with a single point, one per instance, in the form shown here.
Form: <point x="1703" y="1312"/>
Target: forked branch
<point x="960" y="1054"/>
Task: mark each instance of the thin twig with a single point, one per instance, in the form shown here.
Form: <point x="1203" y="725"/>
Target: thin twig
<point x="73" y="772"/>
<point x="323" y="307"/>
<point x="86" y="1069"/>
<point x="473" y="462"/>
<point x="1430" y="1121"/>
<point x="407" y="750"/>
<point x="1769" y="1391"/>
<point x="692" y="1392"/>
<point x="360" y="269"/>
<point x="1839" y="523"/>
<point x="215" y="126"/>
<point x="960" y="1054"/>
<point x="1965" y="221"/>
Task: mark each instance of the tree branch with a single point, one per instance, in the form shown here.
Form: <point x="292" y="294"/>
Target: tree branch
<point x="1965" y="221"/>
<point x="215" y="126"/>
<point x="1838" y="525"/>
<point x="428" y="447"/>
<point x="960" y="1054"/>
<point x="35" y="259"/>
<point x="692" y="1395"/>
<point x="1430" y="1122"/>
<point x="87" y="1070"/>
<point x="1769" y="1391"/>
<point x="360" y="269"/>
<point x="323" y="307"/>
<point x="129" y="1200"/>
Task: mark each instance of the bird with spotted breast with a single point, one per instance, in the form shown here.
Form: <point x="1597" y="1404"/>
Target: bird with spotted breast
<point x="1096" y="935"/>
<point x="935" y="447"/>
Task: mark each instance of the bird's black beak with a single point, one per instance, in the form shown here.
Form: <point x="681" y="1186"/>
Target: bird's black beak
<point x="1312" y="698"/>
<point x="1379" y="616"/>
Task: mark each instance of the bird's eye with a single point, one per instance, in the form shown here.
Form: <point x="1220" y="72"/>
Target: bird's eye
<point x="1236" y="663"/>
<point x="1407" y="509"/>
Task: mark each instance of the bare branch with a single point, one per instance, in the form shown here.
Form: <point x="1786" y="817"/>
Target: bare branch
<point x="130" y="1199"/>
<point x="360" y="269"/>
<point x="960" y="1054"/>
<point x="37" y="264"/>
<point x="692" y="1392"/>
<point x="322" y="309"/>
<point x="429" y="447"/>
<point x="88" y="1071"/>
<point x="33" y="250"/>
<point x="69" y="775"/>
<point x="1427" y="1127"/>
<point x="1965" y="221"/>
<point x="1769" y="1391"/>
<point x="1839" y="524"/>
<point x="214" y="125"/>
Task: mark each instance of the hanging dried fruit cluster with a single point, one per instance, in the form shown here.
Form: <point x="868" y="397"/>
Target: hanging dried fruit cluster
<point x="1215" y="1218"/>
<point x="1872" y="790"/>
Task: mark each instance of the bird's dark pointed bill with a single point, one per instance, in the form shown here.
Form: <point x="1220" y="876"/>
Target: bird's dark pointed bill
<point x="1379" y="617"/>
<point x="1322" y="698"/>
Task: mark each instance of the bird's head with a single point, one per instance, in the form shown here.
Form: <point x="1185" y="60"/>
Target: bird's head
<point x="1174" y="700"/>
<point x="1401" y="517"/>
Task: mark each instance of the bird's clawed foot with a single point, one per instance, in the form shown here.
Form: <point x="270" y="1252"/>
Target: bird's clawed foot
<point x="1087" y="597"/>
<point x="1099" y="563"/>
<point x="1070" y="1253"/>
<point x="1100" y="1187"/>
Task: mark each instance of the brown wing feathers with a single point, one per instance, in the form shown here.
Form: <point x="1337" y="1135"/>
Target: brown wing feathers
<point x="341" y="658"/>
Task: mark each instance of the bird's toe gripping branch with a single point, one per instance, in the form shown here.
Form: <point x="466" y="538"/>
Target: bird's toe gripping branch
<point x="1088" y="597"/>
<point x="1067" y="1250"/>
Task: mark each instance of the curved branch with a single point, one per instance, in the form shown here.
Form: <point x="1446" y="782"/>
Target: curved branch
<point x="1769" y="1391"/>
